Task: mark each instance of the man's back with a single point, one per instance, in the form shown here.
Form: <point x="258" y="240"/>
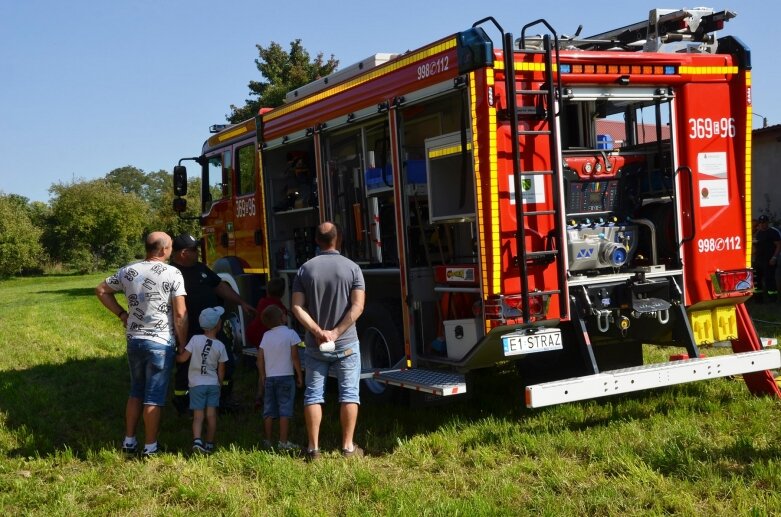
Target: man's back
<point x="327" y="282"/>
<point x="200" y="282"/>
<point x="149" y="287"/>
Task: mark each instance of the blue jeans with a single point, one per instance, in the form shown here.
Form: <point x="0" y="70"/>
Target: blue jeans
<point x="346" y="360"/>
<point x="150" y="370"/>
<point x="278" y="396"/>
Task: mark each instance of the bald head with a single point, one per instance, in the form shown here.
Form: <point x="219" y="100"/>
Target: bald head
<point x="158" y="246"/>
<point x="326" y="235"/>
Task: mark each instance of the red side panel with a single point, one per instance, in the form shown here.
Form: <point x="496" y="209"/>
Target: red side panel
<point x="711" y="138"/>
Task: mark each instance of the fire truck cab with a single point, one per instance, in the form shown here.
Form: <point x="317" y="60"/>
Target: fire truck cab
<point x="557" y="201"/>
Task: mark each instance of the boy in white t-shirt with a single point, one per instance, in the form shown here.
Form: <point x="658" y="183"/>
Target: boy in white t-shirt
<point x="277" y="363"/>
<point x="207" y="369"/>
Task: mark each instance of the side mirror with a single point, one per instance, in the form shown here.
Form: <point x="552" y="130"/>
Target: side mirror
<point x="180" y="205"/>
<point x="180" y="180"/>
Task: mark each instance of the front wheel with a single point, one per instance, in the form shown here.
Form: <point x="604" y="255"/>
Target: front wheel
<point x="382" y="345"/>
<point x="233" y="330"/>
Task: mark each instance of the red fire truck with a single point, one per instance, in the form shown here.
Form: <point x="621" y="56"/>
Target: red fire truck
<point x="560" y="202"/>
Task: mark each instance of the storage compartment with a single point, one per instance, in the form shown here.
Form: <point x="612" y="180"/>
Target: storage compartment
<point x="460" y="337"/>
<point x="451" y="184"/>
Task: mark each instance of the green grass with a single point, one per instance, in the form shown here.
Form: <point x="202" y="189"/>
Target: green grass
<point x="700" y="449"/>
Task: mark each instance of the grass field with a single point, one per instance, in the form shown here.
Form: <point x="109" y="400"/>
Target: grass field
<point x="702" y="449"/>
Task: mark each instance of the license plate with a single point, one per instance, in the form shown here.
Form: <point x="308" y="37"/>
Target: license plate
<point x="530" y="343"/>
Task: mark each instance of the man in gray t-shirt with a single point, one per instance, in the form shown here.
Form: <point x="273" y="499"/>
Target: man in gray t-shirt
<point x="328" y="297"/>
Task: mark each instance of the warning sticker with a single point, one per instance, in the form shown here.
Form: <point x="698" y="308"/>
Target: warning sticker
<point x="713" y="193"/>
<point x="712" y="164"/>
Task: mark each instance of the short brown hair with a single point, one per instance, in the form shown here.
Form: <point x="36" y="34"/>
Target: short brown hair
<point x="272" y="316"/>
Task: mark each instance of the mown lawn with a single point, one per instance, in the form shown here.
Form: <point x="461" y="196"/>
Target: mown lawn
<point x="702" y="449"/>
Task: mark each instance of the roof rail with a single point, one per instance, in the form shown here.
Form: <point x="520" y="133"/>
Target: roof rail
<point x="663" y="26"/>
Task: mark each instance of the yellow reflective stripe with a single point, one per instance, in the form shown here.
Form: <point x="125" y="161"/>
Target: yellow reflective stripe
<point x="707" y="70"/>
<point x="496" y="269"/>
<point x="524" y="66"/>
<point x="447" y="151"/>
<point x="483" y="257"/>
<point x="378" y="72"/>
<point x="747" y="187"/>
<point x="230" y="134"/>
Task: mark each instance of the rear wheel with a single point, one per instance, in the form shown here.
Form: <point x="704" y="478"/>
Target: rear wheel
<point x="382" y="345"/>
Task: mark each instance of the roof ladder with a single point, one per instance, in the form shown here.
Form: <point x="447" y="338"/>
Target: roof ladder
<point x="548" y="95"/>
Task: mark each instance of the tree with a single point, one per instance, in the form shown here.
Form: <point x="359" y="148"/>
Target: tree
<point x="283" y="71"/>
<point x="20" y="246"/>
<point x="147" y="186"/>
<point x="94" y="225"/>
<point x="163" y="216"/>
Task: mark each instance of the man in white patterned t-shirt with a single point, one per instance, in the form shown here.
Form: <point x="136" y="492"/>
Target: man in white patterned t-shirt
<point x="155" y="319"/>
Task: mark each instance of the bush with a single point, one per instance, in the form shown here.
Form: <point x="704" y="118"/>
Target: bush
<point x="95" y="225"/>
<point x="20" y="246"/>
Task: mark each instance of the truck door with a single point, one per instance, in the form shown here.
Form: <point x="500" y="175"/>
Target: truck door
<point x="248" y="207"/>
<point x="218" y="218"/>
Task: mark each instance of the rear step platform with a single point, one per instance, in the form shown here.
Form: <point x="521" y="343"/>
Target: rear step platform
<point x="439" y="383"/>
<point x="638" y="378"/>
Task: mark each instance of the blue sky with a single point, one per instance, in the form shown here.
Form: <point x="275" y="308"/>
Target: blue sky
<point x="89" y="86"/>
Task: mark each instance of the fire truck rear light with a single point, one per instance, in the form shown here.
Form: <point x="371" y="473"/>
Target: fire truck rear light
<point x="734" y="281"/>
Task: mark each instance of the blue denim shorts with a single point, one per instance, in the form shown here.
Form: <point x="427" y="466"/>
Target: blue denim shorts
<point x="207" y="395"/>
<point x="346" y="362"/>
<point x="150" y="370"/>
<point x="278" y="396"/>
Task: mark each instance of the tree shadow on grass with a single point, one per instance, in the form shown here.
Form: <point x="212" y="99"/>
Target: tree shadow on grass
<point x="80" y="405"/>
<point x="75" y="292"/>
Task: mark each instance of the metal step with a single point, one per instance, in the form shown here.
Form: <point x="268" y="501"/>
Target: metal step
<point x="639" y="378"/>
<point x="439" y="383"/>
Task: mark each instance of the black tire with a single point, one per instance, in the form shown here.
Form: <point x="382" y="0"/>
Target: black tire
<point x="231" y="328"/>
<point x="382" y="345"/>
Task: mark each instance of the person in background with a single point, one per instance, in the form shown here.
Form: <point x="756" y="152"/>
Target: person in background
<point x="204" y="289"/>
<point x="155" y="320"/>
<point x="275" y="289"/>
<point x="206" y="356"/>
<point x="328" y="297"/>
<point x="767" y="247"/>
<point x="277" y="363"/>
